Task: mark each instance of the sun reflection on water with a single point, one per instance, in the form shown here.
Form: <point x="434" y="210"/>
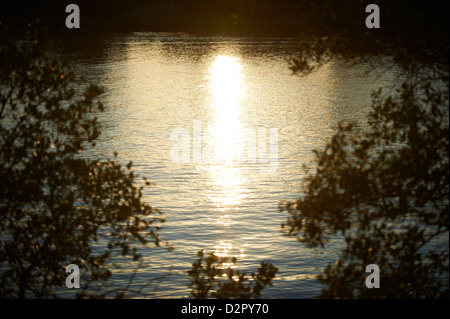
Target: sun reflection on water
<point x="226" y="83"/>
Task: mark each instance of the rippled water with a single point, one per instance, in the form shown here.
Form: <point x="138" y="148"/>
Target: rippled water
<point x="222" y="128"/>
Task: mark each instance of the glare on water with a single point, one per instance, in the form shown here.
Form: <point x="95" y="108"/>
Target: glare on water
<point x="227" y="88"/>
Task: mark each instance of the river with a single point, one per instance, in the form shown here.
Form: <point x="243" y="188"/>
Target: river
<point x="222" y="128"/>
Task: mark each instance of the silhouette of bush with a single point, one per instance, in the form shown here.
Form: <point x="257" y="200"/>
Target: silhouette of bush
<point x="56" y="206"/>
<point x="214" y="277"/>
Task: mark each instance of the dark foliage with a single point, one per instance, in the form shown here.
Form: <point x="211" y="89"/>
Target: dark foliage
<point x="214" y="277"/>
<point x="56" y="206"/>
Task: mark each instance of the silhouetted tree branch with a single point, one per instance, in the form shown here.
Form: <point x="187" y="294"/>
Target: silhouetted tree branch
<point x="56" y="206"/>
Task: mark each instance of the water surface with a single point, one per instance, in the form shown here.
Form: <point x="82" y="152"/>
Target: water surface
<point x="222" y="128"/>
